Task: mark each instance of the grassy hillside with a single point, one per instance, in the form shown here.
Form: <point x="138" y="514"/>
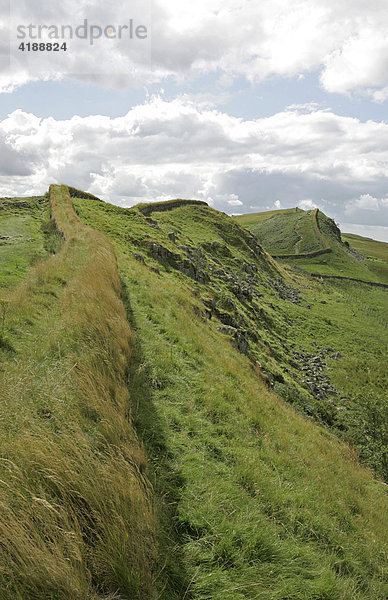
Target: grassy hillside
<point x="253" y="499"/>
<point x="375" y="253"/>
<point x="76" y="515"/>
<point x="284" y="232"/>
<point x="172" y="407"/>
<point x="291" y="233"/>
<point x="22" y="239"/>
<point x="259" y="217"/>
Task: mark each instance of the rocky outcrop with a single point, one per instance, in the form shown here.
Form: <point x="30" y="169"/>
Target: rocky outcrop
<point x="239" y="338"/>
<point x="312" y="368"/>
<point x="162" y="254"/>
<point x="286" y="292"/>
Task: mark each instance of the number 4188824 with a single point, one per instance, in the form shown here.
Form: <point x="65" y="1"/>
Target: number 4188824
<point x="42" y="47"/>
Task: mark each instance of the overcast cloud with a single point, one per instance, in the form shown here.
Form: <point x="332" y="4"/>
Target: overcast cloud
<point x="345" y="40"/>
<point x="162" y="150"/>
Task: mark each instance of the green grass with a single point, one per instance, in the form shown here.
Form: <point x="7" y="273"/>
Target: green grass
<point x="76" y="517"/>
<point x="291" y="232"/>
<point x="285" y="232"/>
<point x="254" y="218"/>
<point x="22" y="240"/>
<point x="143" y="456"/>
<point x="253" y="499"/>
<point x="375" y="253"/>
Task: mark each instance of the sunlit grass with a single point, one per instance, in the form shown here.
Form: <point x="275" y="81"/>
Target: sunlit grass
<point x="253" y="500"/>
<point x="76" y="519"/>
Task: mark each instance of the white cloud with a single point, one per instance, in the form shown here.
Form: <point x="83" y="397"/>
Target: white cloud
<point x="367" y="203"/>
<point x="234" y="201"/>
<point x="345" y="40"/>
<point x="379" y="96"/>
<point x="161" y="150"/>
<point x="307" y="204"/>
<point x="360" y="62"/>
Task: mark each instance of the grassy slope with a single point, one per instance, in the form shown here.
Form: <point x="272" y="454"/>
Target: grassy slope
<point x="281" y="232"/>
<point x="76" y="521"/>
<point x="285" y="232"/>
<point x="254" y="218"/>
<point x="376" y="253"/>
<point x="254" y="501"/>
<point x="22" y="240"/>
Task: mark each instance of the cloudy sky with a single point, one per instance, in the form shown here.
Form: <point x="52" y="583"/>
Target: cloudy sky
<point x="247" y="104"/>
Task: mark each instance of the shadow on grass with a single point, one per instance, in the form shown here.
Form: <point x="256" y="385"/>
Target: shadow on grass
<point x="5" y="345"/>
<point x="172" y="581"/>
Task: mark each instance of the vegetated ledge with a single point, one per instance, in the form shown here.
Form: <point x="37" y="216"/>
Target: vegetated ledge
<point x="147" y="209"/>
<point x="325" y="250"/>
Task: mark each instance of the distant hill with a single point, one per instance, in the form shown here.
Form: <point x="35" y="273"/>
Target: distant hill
<point x="312" y="241"/>
<point x="284" y="232"/>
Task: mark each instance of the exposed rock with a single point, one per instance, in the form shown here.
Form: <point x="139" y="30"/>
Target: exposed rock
<point x="187" y="267"/>
<point x="209" y="303"/>
<point x="152" y="223"/>
<point x="138" y="257"/>
<point x="240" y="338"/>
<point x="241" y="342"/>
<point x="286" y="292"/>
<point x="242" y="292"/>
<point x="254" y="245"/>
<point x="202" y="277"/>
<point x="226" y="318"/>
<point x="230" y="304"/>
<point x="216" y="248"/>
<point x="220" y="273"/>
<point x="13" y="204"/>
<point x="312" y="366"/>
<point x="197" y="311"/>
<point x="160" y="253"/>
<point x="250" y="268"/>
<point x="227" y="330"/>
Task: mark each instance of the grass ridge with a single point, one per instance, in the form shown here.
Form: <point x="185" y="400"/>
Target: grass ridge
<point x="77" y="518"/>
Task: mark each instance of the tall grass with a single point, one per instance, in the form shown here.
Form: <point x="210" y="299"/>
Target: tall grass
<point x="76" y="518"/>
<point x="254" y="501"/>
